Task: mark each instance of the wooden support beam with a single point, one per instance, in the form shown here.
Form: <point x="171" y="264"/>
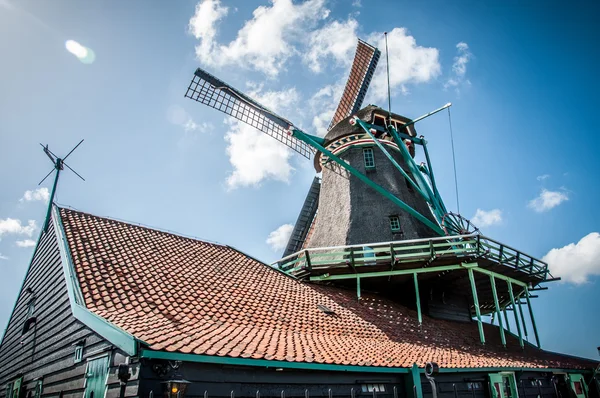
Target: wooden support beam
<point x="497" y="308"/>
<point x="476" y="305"/>
<point x="506" y="319"/>
<point x="512" y="300"/>
<point x="522" y="316"/>
<point x="535" y="331"/>
<point x="418" y="298"/>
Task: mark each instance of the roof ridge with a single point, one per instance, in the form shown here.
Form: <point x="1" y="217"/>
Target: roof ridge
<point x="144" y="226"/>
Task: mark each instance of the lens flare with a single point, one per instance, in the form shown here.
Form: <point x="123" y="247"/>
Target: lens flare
<point x="84" y="54"/>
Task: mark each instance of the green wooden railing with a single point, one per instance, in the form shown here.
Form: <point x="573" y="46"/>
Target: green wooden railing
<point x="420" y="252"/>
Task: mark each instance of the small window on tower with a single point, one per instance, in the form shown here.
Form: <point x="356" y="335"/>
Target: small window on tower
<point x="369" y="158"/>
<point x="395" y="224"/>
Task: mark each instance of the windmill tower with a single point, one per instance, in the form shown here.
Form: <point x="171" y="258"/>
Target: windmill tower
<point x="371" y="189"/>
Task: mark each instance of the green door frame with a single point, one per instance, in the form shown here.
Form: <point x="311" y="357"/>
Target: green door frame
<point x="96" y="375"/>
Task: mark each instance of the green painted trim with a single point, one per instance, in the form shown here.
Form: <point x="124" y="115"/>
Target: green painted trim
<point x="535" y="330"/>
<point x="308" y="139"/>
<point x="476" y="305"/>
<point x="497" y="308"/>
<point x="418" y="298"/>
<point x="393" y="273"/>
<point x="176" y="356"/>
<point x="416" y="379"/>
<point x="111" y="332"/>
<point x="510" y="369"/>
<point x="512" y="301"/>
<point x="500" y="276"/>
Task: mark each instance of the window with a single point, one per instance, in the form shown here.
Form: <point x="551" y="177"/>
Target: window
<point x="373" y="387"/>
<point x="395" y="223"/>
<point x="78" y="352"/>
<point x="8" y="390"/>
<point x="474" y="386"/>
<point x="30" y="308"/>
<point x="369" y="158"/>
<point x="578" y="387"/>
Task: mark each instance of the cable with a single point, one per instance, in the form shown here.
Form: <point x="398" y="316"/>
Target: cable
<point x="454" y="161"/>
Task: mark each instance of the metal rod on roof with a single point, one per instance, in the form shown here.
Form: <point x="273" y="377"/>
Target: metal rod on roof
<point x="358" y="287"/>
<point x="506" y="319"/>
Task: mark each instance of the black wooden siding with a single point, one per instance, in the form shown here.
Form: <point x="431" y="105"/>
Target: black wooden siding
<point x="244" y="381"/>
<point x="47" y="350"/>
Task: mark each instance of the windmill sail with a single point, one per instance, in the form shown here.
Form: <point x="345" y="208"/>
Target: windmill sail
<point x="305" y="218"/>
<point x="210" y="91"/>
<point x="361" y="73"/>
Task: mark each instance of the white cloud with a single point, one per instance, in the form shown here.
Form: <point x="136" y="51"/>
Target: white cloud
<point x="409" y="63"/>
<point x="547" y="200"/>
<point x="39" y="194"/>
<point x="576" y="262"/>
<point x="356" y="3"/>
<point x="264" y="43"/>
<point x="278" y="239"/>
<point x="459" y="67"/>
<point x="336" y="40"/>
<point x="179" y="117"/>
<point x="6" y="4"/>
<point x="543" y="177"/>
<point x="25" y="243"/>
<point x="11" y="226"/>
<point x="483" y="218"/>
<point x="254" y="155"/>
<point x="323" y="104"/>
<point x="3" y="257"/>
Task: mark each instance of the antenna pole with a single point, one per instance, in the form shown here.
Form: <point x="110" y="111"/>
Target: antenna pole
<point x="387" y="61"/>
<point x="52" y="195"/>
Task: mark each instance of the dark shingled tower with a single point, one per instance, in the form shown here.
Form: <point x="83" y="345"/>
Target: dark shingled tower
<point x="351" y="212"/>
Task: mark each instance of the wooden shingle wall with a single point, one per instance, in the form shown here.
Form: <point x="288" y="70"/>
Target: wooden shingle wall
<point x="46" y="351"/>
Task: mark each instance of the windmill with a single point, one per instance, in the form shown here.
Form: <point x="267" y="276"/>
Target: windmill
<point x="371" y="188"/>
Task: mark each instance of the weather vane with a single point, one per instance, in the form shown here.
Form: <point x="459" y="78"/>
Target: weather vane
<point x="59" y="165"/>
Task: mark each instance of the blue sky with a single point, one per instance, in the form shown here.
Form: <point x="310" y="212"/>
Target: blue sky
<point x="521" y="78"/>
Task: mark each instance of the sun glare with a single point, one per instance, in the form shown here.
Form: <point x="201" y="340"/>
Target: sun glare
<point x="84" y="54"/>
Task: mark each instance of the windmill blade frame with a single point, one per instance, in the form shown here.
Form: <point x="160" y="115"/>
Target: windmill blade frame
<point x="213" y="92"/>
<point x="362" y="70"/>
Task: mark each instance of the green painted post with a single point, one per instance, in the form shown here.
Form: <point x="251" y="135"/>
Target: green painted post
<point x="416" y="376"/>
<point x="47" y="222"/>
<point x="418" y="298"/>
<point x="476" y="304"/>
<point x="358" y="287"/>
<point x="391" y="159"/>
<point x="522" y="316"/>
<point x="310" y="141"/>
<point x="497" y="308"/>
<point x="506" y="319"/>
<point x="512" y="300"/>
<point x="535" y="331"/>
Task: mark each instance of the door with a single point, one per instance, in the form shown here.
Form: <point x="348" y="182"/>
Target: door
<point x="95" y="377"/>
<point x="578" y="385"/>
<point x="503" y="385"/>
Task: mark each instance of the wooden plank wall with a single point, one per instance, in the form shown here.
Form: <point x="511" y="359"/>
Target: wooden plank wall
<point x="244" y="381"/>
<point x="47" y="350"/>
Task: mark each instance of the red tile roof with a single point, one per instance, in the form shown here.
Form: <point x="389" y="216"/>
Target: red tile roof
<point x="185" y="295"/>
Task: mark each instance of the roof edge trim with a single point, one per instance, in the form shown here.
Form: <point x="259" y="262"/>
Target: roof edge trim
<point x="114" y="334"/>
<point x="177" y="356"/>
